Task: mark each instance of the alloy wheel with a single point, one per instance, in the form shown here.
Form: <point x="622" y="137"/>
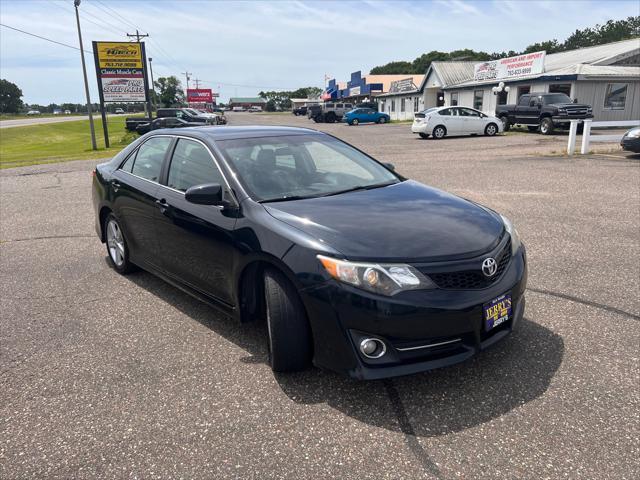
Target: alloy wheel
<point x="115" y="242"/>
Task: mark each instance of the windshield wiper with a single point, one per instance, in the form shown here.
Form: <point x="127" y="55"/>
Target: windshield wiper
<point x="360" y="187"/>
<point x="286" y="199"/>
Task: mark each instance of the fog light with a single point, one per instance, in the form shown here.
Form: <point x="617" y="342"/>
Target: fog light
<point x="372" y="347"/>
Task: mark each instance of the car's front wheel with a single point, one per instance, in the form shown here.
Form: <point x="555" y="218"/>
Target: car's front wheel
<point x="546" y="126"/>
<point x="355" y="121"/>
<point x="289" y="334"/>
<point x="382" y="120"/>
<point x="491" y="129"/>
<point x="505" y="123"/>
<point x="117" y="246"/>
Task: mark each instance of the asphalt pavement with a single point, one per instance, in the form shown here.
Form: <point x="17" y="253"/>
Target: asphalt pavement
<point x="109" y="376"/>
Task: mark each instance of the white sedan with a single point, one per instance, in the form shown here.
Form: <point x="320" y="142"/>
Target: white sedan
<point x="443" y="121"/>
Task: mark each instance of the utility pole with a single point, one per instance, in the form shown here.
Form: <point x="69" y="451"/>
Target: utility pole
<point x="186" y="75"/>
<point x="153" y="87"/>
<point x="76" y="3"/>
<point x="138" y="36"/>
<point x="197" y="80"/>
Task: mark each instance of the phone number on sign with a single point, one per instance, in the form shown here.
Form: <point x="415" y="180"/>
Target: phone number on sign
<point x="518" y="71"/>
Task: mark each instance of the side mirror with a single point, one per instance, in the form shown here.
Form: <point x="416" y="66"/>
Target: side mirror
<point x="575" y="100"/>
<point x="390" y="166"/>
<point x="206" y="194"/>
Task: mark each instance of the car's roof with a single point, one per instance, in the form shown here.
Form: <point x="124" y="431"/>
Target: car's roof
<point x="228" y="133"/>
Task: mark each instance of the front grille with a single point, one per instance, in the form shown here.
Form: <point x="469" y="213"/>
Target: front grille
<point x="576" y="111"/>
<point x="472" y="279"/>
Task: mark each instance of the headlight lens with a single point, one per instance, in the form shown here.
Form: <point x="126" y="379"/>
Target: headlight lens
<point x="384" y="279"/>
<point x="515" y="238"/>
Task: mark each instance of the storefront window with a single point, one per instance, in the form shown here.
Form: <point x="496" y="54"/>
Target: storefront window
<point x="523" y="90"/>
<point x="560" y="88"/>
<point x="382" y="106"/>
<point x="393" y="105"/>
<point x="402" y="104"/>
<point x="454" y="99"/>
<point x="416" y="104"/>
<point x="615" y="96"/>
<point x="478" y="96"/>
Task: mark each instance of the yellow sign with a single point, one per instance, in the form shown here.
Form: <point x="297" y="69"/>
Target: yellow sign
<point x="119" y="55"/>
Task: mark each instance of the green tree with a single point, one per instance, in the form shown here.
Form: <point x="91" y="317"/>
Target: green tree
<point x="392" y="68"/>
<point x="171" y="92"/>
<point x="10" y="97"/>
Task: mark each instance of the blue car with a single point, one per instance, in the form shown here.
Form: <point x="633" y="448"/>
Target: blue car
<point x="364" y="115"/>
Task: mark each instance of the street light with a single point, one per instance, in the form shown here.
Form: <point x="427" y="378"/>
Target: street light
<point x="76" y="3"/>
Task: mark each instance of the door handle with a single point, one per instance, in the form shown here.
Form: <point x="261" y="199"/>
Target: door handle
<point x="115" y="185"/>
<point x="162" y="205"/>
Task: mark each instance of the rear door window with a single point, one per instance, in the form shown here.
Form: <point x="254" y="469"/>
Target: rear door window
<point x="524" y="101"/>
<point x="148" y="161"/>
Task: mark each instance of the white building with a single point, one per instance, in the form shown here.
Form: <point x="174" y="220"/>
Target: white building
<point x="605" y="76"/>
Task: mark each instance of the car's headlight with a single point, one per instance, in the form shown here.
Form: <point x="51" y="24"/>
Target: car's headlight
<point x="384" y="279"/>
<point x="515" y="238"/>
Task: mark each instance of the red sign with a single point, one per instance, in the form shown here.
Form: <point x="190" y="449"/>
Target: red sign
<point x="199" y="95"/>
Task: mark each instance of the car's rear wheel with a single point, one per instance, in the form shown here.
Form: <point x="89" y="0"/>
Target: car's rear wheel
<point x="382" y="120"/>
<point x="355" y="121"/>
<point x="546" y="126"/>
<point x="289" y="334"/>
<point x="439" y="132"/>
<point x="423" y="135"/>
<point x="505" y="123"/>
<point x="490" y="130"/>
<point x="117" y="248"/>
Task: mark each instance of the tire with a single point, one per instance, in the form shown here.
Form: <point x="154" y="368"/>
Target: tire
<point x="117" y="249"/>
<point x="505" y="123"/>
<point x="532" y="128"/>
<point x="546" y="126"/>
<point x="330" y="117"/>
<point x="355" y="121"/>
<point x="490" y="130"/>
<point x="439" y="132"/>
<point x="289" y="334"/>
<point x="424" y="135"/>
<point x="382" y="120"/>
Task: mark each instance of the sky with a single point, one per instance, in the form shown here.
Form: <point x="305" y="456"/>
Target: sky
<point x="239" y="48"/>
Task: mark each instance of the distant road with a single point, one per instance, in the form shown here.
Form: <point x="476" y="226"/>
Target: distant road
<point x="23" y="122"/>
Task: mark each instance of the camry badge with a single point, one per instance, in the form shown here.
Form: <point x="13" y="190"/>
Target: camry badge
<point x="489" y="267"/>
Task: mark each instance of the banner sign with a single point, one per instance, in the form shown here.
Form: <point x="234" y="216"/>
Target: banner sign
<point x="404" y="85"/>
<point x="119" y="68"/>
<point x="200" y="95"/>
<point x="511" y="67"/>
<point x="353" y="91"/>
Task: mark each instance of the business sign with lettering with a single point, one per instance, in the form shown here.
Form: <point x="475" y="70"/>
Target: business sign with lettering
<point x="199" y="95"/>
<point x="404" y="85"/>
<point x="119" y="68"/>
<point x="509" y="68"/>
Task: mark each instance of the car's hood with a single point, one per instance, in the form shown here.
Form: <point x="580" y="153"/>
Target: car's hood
<point x="565" y="105"/>
<point x="405" y="221"/>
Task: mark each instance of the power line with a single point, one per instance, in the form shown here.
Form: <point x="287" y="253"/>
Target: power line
<point x="115" y="14"/>
<point x="45" y="38"/>
<point x="104" y="25"/>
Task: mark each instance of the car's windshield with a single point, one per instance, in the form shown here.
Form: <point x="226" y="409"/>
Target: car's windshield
<point x="192" y="111"/>
<point x="556" y="98"/>
<point x="301" y="166"/>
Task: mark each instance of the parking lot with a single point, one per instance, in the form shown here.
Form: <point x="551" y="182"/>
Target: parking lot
<point x="127" y="377"/>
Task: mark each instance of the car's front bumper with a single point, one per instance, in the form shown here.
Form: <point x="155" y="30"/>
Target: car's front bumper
<point x="422" y="329"/>
<point x="631" y="144"/>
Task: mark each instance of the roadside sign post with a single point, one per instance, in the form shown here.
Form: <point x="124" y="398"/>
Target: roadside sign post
<point x="121" y="74"/>
<point x="86" y="83"/>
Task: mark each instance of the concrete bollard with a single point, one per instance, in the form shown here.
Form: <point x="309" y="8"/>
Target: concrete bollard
<point x="573" y="130"/>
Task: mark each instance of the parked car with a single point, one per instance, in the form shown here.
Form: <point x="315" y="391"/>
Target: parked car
<point x="255" y="108"/>
<point x="631" y="140"/>
<point x="166" y="122"/>
<point x="440" y="122"/>
<point x="353" y="267"/>
<point x="67" y="112"/>
<point x="364" y="115"/>
<point x="131" y="123"/>
<point x="300" y="111"/>
<point x="57" y="111"/>
<point x="543" y="112"/>
<point x="119" y="110"/>
<point x="329" y="112"/>
<point x="33" y="112"/>
<point x="238" y="109"/>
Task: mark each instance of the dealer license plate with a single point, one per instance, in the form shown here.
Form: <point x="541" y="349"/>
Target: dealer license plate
<point x="497" y="311"/>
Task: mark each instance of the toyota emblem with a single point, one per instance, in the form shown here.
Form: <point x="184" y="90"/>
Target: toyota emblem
<point x="489" y="267"/>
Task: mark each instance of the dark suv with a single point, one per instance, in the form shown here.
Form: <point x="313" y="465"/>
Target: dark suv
<point x="543" y="111"/>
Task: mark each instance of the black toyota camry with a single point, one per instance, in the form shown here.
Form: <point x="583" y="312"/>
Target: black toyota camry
<point x="354" y="267"/>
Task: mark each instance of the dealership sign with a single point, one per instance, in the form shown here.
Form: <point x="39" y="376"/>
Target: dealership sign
<point x="199" y="95"/>
<point x="119" y="68"/>
<point x="509" y="68"/>
<point x="404" y="85"/>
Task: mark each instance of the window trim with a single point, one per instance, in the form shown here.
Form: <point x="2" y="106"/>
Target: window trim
<point x="475" y="92"/>
<point x="604" y="100"/>
<point x="165" y="177"/>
